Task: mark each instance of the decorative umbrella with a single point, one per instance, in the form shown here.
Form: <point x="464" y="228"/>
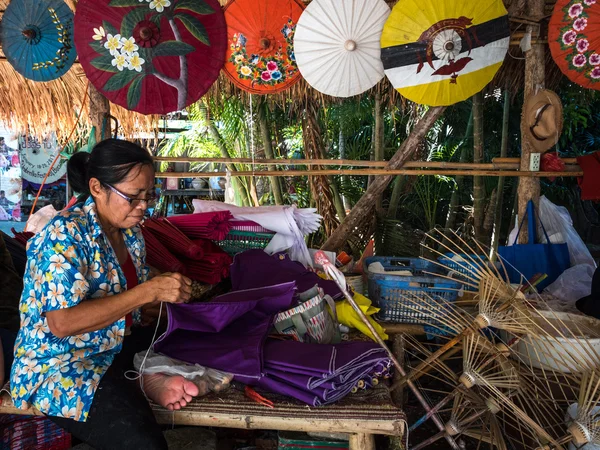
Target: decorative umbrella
<point x="260" y="34"/>
<point x="440" y="53"/>
<point x="37" y="38"/>
<point x="151" y="56"/>
<point x="337" y="45"/>
<point x="574" y="44"/>
<point x="36" y="157"/>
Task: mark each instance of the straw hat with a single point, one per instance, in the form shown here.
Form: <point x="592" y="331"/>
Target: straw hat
<point x="543" y="114"/>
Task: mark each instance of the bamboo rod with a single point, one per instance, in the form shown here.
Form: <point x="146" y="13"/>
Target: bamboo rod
<point x="497" y="163"/>
<point x="366" y="172"/>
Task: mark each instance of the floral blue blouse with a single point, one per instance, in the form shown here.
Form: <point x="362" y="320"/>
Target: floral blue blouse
<point x="69" y="261"/>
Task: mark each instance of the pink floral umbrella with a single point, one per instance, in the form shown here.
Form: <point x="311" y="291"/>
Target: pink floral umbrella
<point x="574" y="39"/>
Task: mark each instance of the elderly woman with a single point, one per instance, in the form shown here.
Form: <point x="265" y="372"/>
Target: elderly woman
<point x="86" y="278"/>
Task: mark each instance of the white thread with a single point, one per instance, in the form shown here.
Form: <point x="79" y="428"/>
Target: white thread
<point x="252" y="134"/>
<point x="139" y="375"/>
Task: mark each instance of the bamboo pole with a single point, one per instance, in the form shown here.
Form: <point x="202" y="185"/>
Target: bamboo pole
<point x="500" y="189"/>
<point x="478" y="189"/>
<point x="366" y="172"/>
<point x="497" y="163"/>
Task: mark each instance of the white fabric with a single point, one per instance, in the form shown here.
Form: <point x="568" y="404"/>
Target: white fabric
<point x="289" y="223"/>
<point x="40" y="218"/>
<point x="323" y="46"/>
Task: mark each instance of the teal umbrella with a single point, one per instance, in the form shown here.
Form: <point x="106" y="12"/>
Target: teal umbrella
<point x="37" y="38"/>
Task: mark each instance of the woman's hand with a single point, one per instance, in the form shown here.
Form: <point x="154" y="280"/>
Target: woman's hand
<point x="170" y="288"/>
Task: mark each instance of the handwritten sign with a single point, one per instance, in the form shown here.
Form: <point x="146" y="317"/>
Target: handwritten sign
<point x="37" y="156"/>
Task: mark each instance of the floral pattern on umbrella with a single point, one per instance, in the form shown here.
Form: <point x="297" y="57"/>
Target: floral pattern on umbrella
<point x="130" y="50"/>
<point x="574" y="40"/>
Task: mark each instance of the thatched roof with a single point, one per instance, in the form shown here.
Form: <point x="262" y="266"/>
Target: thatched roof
<point x="39" y="107"/>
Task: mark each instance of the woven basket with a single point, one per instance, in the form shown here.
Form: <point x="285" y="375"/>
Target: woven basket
<point x="239" y="241"/>
<point x="395" y="238"/>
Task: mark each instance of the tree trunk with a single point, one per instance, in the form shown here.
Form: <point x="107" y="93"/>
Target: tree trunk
<point x="529" y="187"/>
<point x="364" y="207"/>
<point x="397" y="191"/>
<point x="99" y="108"/>
<point x="478" y="189"/>
<point x="488" y="222"/>
<point x="265" y="132"/>
<point x="378" y="145"/>
<point x="454" y="199"/>
<point x="344" y="179"/>
<point x="337" y="199"/>
<point x="218" y="140"/>
<point x="500" y="188"/>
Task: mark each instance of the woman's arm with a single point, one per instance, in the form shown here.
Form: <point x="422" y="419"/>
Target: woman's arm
<point x="95" y="314"/>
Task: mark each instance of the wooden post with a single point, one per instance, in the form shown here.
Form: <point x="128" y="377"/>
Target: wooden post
<point x="529" y="187"/>
<point x="268" y="148"/>
<point x="364" y="206"/>
<point x="500" y="189"/>
<point x="378" y="144"/>
<point x="478" y="189"/>
<point x="99" y="108"/>
<point x="362" y="442"/>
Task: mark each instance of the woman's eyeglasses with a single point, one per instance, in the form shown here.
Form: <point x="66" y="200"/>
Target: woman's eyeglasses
<point x="133" y="202"/>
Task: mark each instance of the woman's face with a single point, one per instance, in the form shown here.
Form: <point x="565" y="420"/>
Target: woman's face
<point x="116" y="211"/>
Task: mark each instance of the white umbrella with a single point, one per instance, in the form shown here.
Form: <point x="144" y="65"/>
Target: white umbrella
<point x="337" y="45"/>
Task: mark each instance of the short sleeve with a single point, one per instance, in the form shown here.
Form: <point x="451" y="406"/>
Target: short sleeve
<point x="57" y="267"/>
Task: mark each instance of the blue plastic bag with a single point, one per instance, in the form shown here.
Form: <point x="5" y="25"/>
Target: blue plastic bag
<point x="530" y="259"/>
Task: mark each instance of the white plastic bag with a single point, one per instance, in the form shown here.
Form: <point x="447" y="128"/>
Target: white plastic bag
<point x="40" y="219"/>
<point x="573" y="284"/>
<point x="206" y="379"/>
<point x="559" y="226"/>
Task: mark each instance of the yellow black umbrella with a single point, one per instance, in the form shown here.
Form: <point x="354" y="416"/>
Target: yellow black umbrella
<point x="442" y="52"/>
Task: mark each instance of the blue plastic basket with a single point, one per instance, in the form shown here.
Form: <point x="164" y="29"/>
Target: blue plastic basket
<point x="388" y="291"/>
<point x="462" y="267"/>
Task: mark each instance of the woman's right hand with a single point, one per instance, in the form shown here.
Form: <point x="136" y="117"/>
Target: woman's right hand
<point x="170" y="288"/>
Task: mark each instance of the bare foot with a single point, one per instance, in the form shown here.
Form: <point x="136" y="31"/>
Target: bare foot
<point x="171" y="392"/>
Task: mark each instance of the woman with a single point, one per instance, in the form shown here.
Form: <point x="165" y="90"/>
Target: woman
<point x="85" y="278"/>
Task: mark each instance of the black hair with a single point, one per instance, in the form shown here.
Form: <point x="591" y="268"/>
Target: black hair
<point x="110" y="162"/>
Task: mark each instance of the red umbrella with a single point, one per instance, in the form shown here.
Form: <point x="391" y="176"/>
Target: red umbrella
<point x="157" y="255"/>
<point x="210" y="225"/>
<point x="22" y="237"/>
<point x="151" y="56"/>
<point x="574" y="40"/>
<point x="214" y="265"/>
<point x="173" y="239"/>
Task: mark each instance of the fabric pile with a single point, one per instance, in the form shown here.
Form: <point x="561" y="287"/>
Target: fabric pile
<point x="210" y="225"/>
<point x="289" y="223"/>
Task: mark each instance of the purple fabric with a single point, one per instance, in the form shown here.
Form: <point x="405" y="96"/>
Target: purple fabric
<point x="255" y="268"/>
<point x="227" y="334"/>
<point x="319" y="374"/>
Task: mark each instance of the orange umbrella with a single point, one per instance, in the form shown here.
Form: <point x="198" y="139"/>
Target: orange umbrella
<point x="260" y="55"/>
<point x="574" y="39"/>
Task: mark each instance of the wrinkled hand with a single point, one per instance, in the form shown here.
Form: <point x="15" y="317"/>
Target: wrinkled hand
<point x="170" y="288"/>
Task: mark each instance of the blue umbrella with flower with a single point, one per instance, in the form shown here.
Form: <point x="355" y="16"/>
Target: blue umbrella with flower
<point x="37" y="38"/>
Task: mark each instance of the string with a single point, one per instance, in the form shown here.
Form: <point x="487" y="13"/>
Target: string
<point x="252" y="134"/>
<point x="139" y="375"/>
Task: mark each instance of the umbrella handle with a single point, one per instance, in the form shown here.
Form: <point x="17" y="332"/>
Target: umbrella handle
<point x="336" y="275"/>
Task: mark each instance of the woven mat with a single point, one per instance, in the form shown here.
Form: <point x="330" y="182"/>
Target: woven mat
<point x="366" y="405"/>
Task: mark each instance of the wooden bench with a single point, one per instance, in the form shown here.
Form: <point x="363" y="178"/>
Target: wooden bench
<point x="361" y="415"/>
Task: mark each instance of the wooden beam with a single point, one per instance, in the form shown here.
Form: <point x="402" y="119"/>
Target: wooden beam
<point x="367" y="172"/>
<point x="99" y="108"/>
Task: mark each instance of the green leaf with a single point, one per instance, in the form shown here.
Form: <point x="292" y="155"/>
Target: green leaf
<point x="122" y="3"/>
<point x="197" y="6"/>
<point x="104" y="63"/>
<point x="173" y="48"/>
<point x="109" y="28"/>
<point x="134" y="92"/>
<point x="131" y="19"/>
<point x="91" y="143"/>
<point x="194" y="26"/>
<point x="99" y="47"/>
<point x="120" y="80"/>
<point x="157" y="19"/>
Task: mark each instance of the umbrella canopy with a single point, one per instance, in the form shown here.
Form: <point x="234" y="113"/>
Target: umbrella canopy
<point x="151" y="56"/>
<point x="337" y="45"/>
<point x="574" y="44"/>
<point x="440" y="53"/>
<point x="37" y="38"/>
<point x="260" y="33"/>
<point x="36" y="157"/>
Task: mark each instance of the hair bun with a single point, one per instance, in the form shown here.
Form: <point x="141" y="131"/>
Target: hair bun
<point x="77" y="172"/>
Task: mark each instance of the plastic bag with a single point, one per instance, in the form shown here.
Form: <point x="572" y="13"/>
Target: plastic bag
<point x="573" y="284"/>
<point x="559" y="226"/>
<point x="347" y="316"/>
<point x="40" y="219"/>
<point x="206" y="379"/>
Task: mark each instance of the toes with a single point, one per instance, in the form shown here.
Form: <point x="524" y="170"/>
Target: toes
<point x="187" y="398"/>
<point x="170" y="406"/>
<point x="183" y="403"/>
<point x="190" y="388"/>
<point x="176" y="406"/>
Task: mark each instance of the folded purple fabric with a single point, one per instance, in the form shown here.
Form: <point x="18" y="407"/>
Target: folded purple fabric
<point x="319" y="374"/>
<point x="255" y="268"/>
<point x="227" y="334"/>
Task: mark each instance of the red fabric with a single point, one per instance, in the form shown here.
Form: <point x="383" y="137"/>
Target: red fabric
<point x="590" y="182"/>
<point x="552" y="163"/>
<point x="132" y="281"/>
